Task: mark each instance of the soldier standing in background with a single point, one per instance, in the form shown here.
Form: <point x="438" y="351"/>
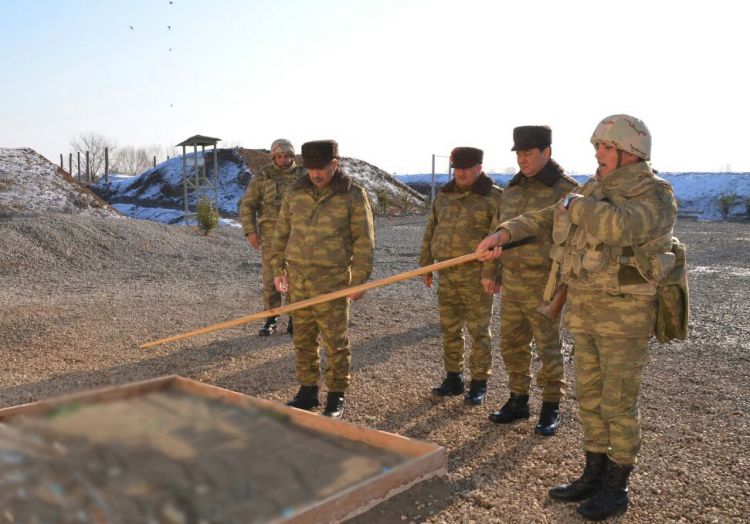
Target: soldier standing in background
<point x="540" y="183"/>
<point x="612" y="245"/>
<point x="259" y="211"/>
<point x="324" y="242"/>
<point x="463" y="212"/>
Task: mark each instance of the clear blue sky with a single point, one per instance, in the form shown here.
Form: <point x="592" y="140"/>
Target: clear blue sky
<point x="392" y="81"/>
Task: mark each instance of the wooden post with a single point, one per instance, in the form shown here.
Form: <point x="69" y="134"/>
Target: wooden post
<point x="154" y="160"/>
<point x="106" y="164"/>
<point x="79" y="166"/>
<point x="70" y="164"/>
<point x="88" y="168"/>
<point x="62" y="165"/>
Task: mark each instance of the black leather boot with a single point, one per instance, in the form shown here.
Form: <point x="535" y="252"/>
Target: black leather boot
<point x="269" y="328"/>
<point x="452" y="385"/>
<point x="306" y="398"/>
<point x="516" y="408"/>
<point x="477" y="392"/>
<point x="549" y="419"/>
<point x="612" y="497"/>
<point x="290" y="327"/>
<point x="334" y="405"/>
<point x="589" y="483"/>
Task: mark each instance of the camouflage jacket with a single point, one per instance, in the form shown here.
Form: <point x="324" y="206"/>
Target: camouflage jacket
<point x="612" y="247"/>
<point x="264" y="194"/>
<point x="459" y="220"/>
<point x="528" y="266"/>
<point x="332" y="229"/>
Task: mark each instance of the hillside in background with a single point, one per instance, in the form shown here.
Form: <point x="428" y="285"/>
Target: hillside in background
<point x="31" y="183"/>
<point x="158" y="193"/>
<point x="698" y="194"/>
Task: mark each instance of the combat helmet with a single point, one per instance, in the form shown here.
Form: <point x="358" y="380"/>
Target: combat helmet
<point x="627" y="133"/>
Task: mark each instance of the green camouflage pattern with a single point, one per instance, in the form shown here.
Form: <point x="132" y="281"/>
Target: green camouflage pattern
<point x="326" y="229"/>
<point x="608" y="381"/>
<point x="594" y="246"/>
<point x="259" y="211"/>
<point x="324" y="241"/>
<point x="459" y="220"/>
<point x="462" y="301"/>
<point x="329" y="320"/>
<point x="525" y="272"/>
<point x="525" y="268"/>
<point x="519" y="322"/>
<point x="265" y="193"/>
<point x="611" y="308"/>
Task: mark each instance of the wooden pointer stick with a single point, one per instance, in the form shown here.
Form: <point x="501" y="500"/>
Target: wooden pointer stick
<point x="334" y="295"/>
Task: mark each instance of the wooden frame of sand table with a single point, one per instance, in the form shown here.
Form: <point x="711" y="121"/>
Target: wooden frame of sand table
<point x="172" y="449"/>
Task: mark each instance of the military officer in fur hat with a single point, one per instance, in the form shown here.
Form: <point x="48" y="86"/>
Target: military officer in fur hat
<point x="259" y="211"/>
<point x="612" y="245"/>
<point x="539" y="183"/>
<point x="324" y="242"/>
<point x="463" y="211"/>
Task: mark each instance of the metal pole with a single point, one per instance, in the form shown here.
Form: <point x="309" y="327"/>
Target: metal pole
<point x="79" y="166"/>
<point x="106" y="165"/>
<point x="88" y="168"/>
<point x="154" y="160"/>
<point x="62" y="165"/>
<point x="432" y="191"/>
<point x="70" y="164"/>
<point x="185" y="182"/>
<point x="216" y="179"/>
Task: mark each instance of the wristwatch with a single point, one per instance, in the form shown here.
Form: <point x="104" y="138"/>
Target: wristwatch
<point x="568" y="199"/>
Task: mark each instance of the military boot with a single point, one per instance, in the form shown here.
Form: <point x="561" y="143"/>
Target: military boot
<point x="452" y="385"/>
<point x="306" y="398"/>
<point x="334" y="405"/>
<point x="549" y="419"/>
<point x="589" y="483"/>
<point x="612" y="497"/>
<point x="516" y="408"/>
<point x="290" y="327"/>
<point x="477" y="392"/>
<point x="269" y="328"/>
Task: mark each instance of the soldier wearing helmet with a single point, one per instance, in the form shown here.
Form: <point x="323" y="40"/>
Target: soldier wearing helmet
<point x="259" y="212"/>
<point x="611" y="247"/>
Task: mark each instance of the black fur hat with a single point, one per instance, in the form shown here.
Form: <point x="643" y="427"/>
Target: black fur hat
<point x="463" y="157"/>
<point x="319" y="153"/>
<point x="529" y="137"/>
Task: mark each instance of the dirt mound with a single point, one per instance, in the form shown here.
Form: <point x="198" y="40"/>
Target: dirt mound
<point x="30" y="183"/>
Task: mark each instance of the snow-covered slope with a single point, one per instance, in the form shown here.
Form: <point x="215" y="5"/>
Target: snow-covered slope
<point x="31" y="183"/>
<point x="697" y="193"/>
<point x="158" y="194"/>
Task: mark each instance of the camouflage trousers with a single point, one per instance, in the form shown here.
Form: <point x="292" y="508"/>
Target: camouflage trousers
<point x="463" y="302"/>
<point x="271" y="297"/>
<point x="329" y="320"/>
<point x="608" y="380"/>
<point x="519" y="323"/>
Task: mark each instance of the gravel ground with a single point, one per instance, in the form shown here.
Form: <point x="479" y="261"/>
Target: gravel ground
<point x="79" y="294"/>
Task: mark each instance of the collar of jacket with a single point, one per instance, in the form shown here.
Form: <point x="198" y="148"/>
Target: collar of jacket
<point x="340" y="183"/>
<point x="273" y="169"/>
<point x="481" y="186"/>
<point x="547" y="176"/>
<point x="625" y="177"/>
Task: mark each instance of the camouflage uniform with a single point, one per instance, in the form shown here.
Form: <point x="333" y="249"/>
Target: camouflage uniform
<point x="259" y="211"/>
<point x="525" y="272"/>
<point x="601" y="244"/>
<point x="459" y="220"/>
<point x="324" y="242"/>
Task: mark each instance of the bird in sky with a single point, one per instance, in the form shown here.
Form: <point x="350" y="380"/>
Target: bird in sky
<point x="169" y="27"/>
<point x="131" y="27"/>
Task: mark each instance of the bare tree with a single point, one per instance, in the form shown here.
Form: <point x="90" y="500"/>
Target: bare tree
<point x="132" y="160"/>
<point x="95" y="144"/>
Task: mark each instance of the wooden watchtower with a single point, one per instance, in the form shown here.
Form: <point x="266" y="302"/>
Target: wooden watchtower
<point x="196" y="180"/>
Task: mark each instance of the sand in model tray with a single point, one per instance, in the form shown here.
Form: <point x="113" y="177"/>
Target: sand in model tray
<point x="172" y="456"/>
